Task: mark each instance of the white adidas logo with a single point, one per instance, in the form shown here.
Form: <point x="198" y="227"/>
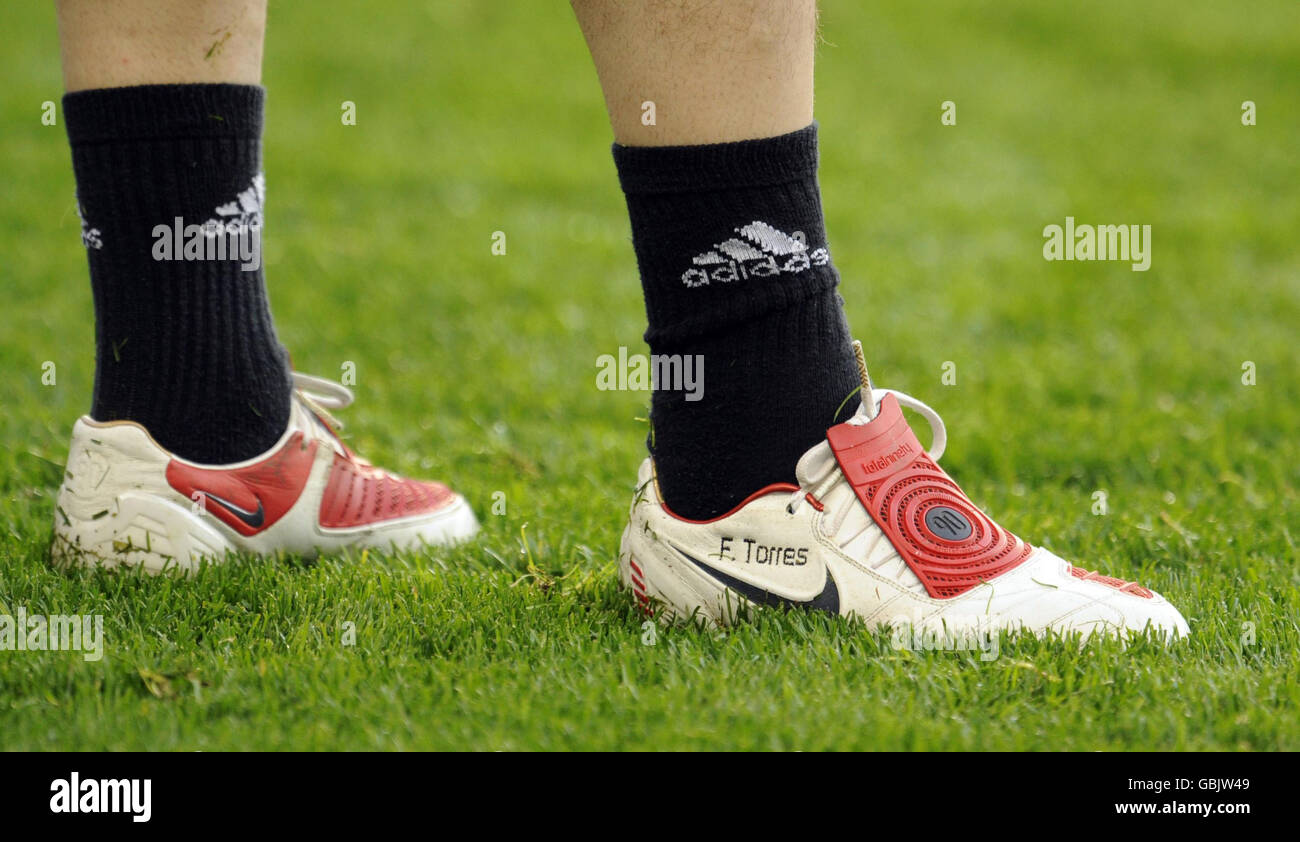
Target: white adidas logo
<point x="761" y="251"/>
<point x="243" y="214"/>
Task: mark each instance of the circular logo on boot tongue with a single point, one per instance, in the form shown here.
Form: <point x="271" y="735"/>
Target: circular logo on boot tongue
<point x="947" y="523"/>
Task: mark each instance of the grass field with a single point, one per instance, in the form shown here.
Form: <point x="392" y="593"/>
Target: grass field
<point x="481" y="117"/>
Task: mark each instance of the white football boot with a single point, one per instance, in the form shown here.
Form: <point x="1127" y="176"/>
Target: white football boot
<point x="875" y="528"/>
<point x="127" y="501"/>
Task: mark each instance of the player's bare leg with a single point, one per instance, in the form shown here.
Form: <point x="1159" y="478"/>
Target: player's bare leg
<point x="155" y="42"/>
<point x="737" y="71"/>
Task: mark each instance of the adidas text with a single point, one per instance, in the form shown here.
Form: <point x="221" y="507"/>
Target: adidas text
<point x="760" y="251"/>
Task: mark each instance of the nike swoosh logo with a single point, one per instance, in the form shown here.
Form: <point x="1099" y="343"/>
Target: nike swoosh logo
<point x="253" y="520"/>
<point x="828" y="600"/>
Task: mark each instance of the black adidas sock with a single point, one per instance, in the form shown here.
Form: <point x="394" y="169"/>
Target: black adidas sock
<point x="732" y="250"/>
<point x="184" y="347"/>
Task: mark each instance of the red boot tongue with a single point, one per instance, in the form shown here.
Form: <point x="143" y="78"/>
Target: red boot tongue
<point x="949" y="543"/>
<point x="872" y="451"/>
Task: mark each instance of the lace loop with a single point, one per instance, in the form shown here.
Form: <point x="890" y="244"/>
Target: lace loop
<point x="322" y="392"/>
<point x="938" y="432"/>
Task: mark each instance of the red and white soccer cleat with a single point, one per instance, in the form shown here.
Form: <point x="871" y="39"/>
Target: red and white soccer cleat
<point x="877" y="529"/>
<point x="127" y="501"/>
